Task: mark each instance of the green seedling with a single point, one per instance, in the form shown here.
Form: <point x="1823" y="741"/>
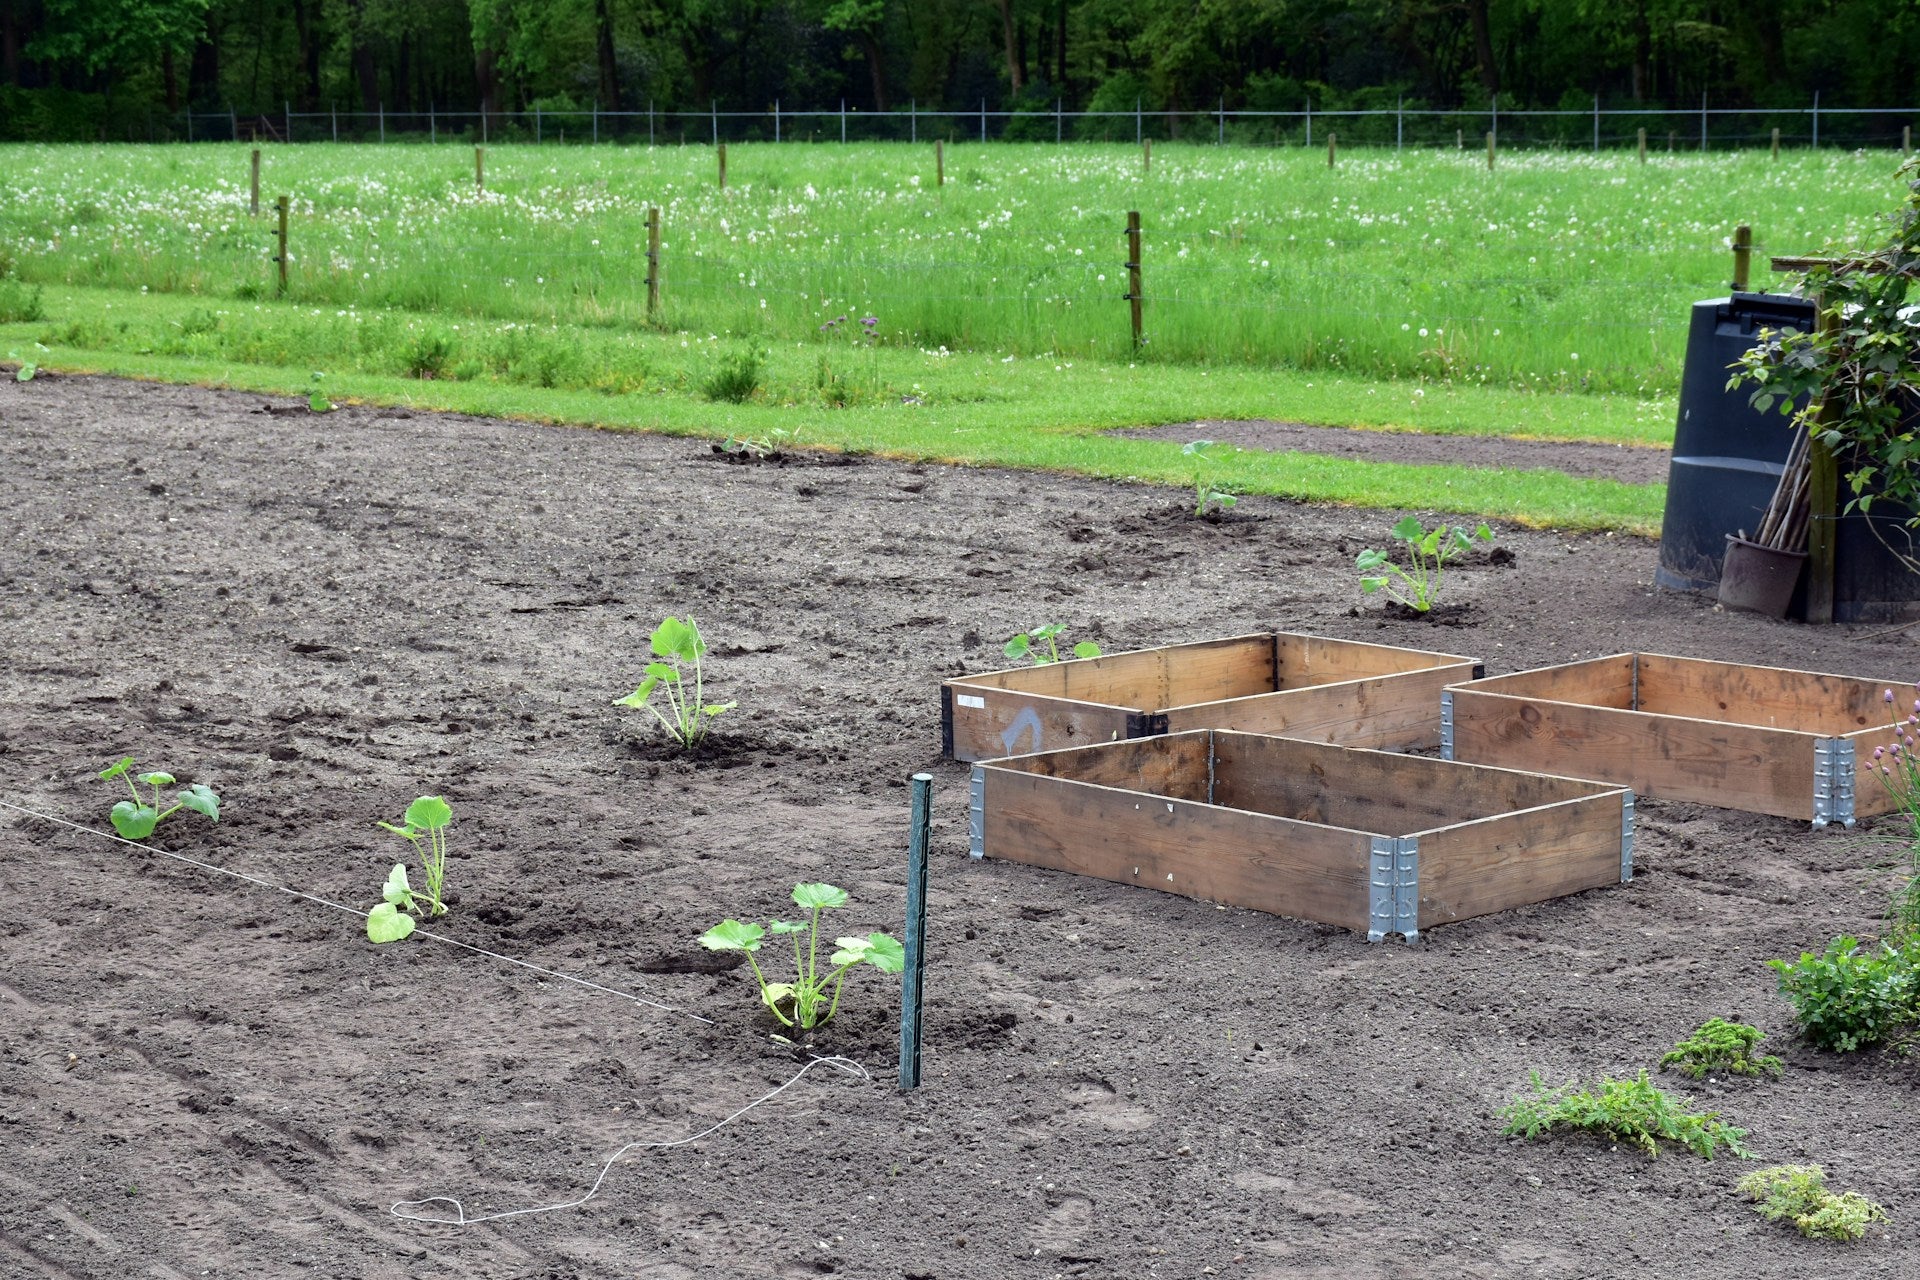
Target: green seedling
<point x="316" y="398"/>
<point x="424" y="826"/>
<point x="26" y="370"/>
<point x="1850" y="998"/>
<point x="799" y="1003"/>
<point x="1206" y="490"/>
<point x="751" y="446"/>
<point x="1798" y="1193"/>
<point x="677" y="648"/>
<point x="135" y="819"/>
<point x="1027" y="645"/>
<point x="1429" y="550"/>
<point x="1723" y="1047"/>
<point x="1634" y="1112"/>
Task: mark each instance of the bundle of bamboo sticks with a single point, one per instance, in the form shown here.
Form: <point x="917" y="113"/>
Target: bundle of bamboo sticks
<point x="1783" y="526"/>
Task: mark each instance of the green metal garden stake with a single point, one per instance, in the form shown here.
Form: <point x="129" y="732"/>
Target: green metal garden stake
<point x="910" y="986"/>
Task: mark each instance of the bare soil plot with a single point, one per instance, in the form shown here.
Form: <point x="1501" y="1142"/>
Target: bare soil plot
<point x="326" y="616"/>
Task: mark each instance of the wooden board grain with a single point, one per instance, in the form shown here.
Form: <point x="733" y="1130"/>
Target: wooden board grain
<point x="1392" y="712"/>
<point x="1760" y="770"/>
<point x="1177" y="767"/>
<point x="1251" y="860"/>
<point x="1373" y="791"/>
<point x="988" y="723"/>
<point x="1596" y="682"/>
<point x="1148" y="679"/>
<point x="1807" y="701"/>
<point x="1512" y="859"/>
<point x="1306" y="661"/>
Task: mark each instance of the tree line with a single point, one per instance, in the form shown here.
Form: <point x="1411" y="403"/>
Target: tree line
<point x="76" y="67"/>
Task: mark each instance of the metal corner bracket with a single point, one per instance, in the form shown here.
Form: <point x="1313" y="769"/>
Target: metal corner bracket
<point x="1446" y="724"/>
<point x="1833" y="781"/>
<point x="1393" y="888"/>
<point x="1626" y="837"/>
<point x="977" y="813"/>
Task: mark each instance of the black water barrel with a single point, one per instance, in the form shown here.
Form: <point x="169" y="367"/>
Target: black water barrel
<point x="1727" y="458"/>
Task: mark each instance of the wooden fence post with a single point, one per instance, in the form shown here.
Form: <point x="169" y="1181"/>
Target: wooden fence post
<point x="1133" y="272"/>
<point x="1332" y="144"/>
<point x="1643" y="145"/>
<point x="1776" y="142"/>
<point x="1490" y="148"/>
<point x="253" y="205"/>
<point x="939" y="162"/>
<point x="653" y="264"/>
<point x="722" y="148"/>
<point x="479" y="168"/>
<point x="1742" y="257"/>
<point x="281" y="236"/>
<point x="1823" y="494"/>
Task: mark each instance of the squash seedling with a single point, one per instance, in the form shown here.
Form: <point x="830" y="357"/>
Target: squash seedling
<point x="316" y="398"/>
<point x="677" y="647"/>
<point x="135" y="819"/>
<point x="1206" y="490"/>
<point x="27" y="369"/>
<point x="1027" y="645"/>
<point x="1428" y="551"/>
<point x="425" y="829"/>
<point x="813" y="985"/>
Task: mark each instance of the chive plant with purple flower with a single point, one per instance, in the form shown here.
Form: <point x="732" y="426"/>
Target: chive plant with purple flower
<point x="847" y="372"/>
<point x="1897" y="768"/>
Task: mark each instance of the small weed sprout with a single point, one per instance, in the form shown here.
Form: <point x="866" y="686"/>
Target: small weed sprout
<point x="26" y="370"/>
<point x="425" y="828"/>
<point x="813" y="985"/>
<point x="677" y="648"/>
<point x="1028" y="645"/>
<point x="1634" y="1112"/>
<point x="1798" y="1193"/>
<point x="1721" y="1046"/>
<point x="1429" y="550"/>
<point x="316" y="398"/>
<point x="1848" y="999"/>
<point x="750" y="446"/>
<point x="135" y="819"/>
<point x="1207" y="490"/>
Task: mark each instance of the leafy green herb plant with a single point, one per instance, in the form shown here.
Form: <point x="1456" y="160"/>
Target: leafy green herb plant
<point x="1207" y="490"/>
<point x="1028" y="645"/>
<point x="424" y="826"/>
<point x="316" y="398"/>
<point x="1634" y="1112"/>
<point x="135" y="819"/>
<point x="1723" y="1047"/>
<point x="815" y="987"/>
<point x="1428" y="551"/>
<point x="1798" y="1193"/>
<point x="1846" y="998"/>
<point x="26" y="370"/>
<point x="677" y="650"/>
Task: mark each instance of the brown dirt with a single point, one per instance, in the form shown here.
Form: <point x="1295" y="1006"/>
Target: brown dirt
<point x="325" y="616"/>
<point x="1594" y="461"/>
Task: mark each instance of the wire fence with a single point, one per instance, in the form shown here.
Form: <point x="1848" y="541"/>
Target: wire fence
<point x="1705" y="128"/>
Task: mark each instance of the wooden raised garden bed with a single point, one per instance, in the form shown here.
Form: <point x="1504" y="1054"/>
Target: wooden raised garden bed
<point x="1345" y="691"/>
<point x="1762" y="739"/>
<point x="1362" y="839"/>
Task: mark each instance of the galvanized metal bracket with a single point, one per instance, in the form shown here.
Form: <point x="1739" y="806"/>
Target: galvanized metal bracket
<point x="1626" y="838"/>
<point x="977" y="813"/>
<point x="1833" y="780"/>
<point x="1446" y="724"/>
<point x="1393" y="888"/>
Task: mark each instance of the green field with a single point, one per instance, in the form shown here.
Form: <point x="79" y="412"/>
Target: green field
<point x="1412" y="290"/>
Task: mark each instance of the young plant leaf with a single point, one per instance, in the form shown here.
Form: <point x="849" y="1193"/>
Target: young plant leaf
<point x="428" y="813"/>
<point x="716" y="708"/>
<point x="408" y="831"/>
<point x="786" y="926"/>
<point x="773" y="993"/>
<point x="200" y="798"/>
<point x="658" y="671"/>
<point x="885" y="953"/>
<point x="156" y="779"/>
<point x="387" y="923"/>
<point x="1408" y="530"/>
<point x="398" y="891"/>
<point x="134" y="821"/>
<point x="1086" y="649"/>
<point x="732" y="935"/>
<point x="1016" y="648"/>
<point x="676" y="639"/>
<point x="115" y="770"/>
<point x="818" y="897"/>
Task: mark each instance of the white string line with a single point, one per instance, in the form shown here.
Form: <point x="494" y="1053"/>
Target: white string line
<point x="404" y="1208"/>
<point x="355" y="911"/>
